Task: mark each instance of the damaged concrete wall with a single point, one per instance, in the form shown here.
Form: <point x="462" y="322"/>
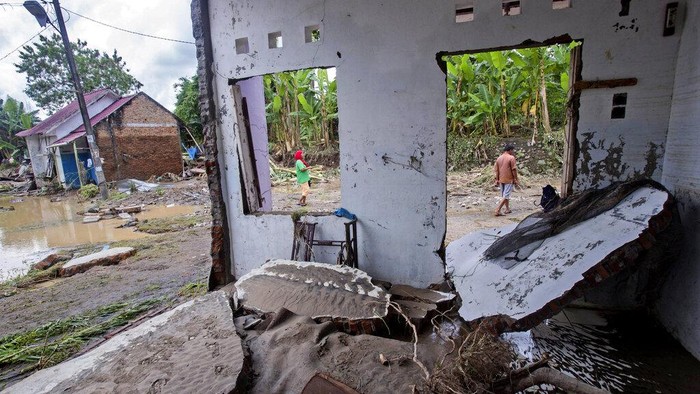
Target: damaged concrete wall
<point x="680" y="303"/>
<point x="391" y="97"/>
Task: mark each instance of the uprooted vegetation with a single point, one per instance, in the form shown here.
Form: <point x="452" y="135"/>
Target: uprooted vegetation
<point x="171" y="224"/>
<point x="480" y="359"/>
<point x="58" y="340"/>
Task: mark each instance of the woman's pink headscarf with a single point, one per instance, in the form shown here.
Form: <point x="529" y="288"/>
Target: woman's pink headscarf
<point x="299" y="155"/>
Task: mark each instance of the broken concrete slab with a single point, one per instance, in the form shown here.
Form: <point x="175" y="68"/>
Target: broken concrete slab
<point x="192" y="348"/>
<point x="312" y="289"/>
<point x="91" y="219"/>
<point x="520" y="294"/>
<point x="131" y="209"/>
<point x="106" y="257"/>
<point x="425" y="295"/>
<point x="51" y="260"/>
<point x="415" y="310"/>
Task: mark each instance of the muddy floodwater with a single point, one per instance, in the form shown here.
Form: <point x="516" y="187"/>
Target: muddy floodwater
<point x="38" y="226"/>
<point x="620" y="351"/>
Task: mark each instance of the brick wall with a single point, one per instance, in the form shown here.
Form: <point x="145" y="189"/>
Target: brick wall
<point x="139" y="140"/>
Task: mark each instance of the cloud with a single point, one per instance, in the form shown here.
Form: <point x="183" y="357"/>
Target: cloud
<point x="158" y="64"/>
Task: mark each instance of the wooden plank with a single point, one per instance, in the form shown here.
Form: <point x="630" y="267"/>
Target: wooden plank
<point x="606" y="83"/>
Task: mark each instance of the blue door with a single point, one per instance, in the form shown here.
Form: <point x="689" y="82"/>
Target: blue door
<point x="70" y="169"/>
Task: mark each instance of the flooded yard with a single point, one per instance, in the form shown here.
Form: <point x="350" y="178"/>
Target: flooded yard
<point x="37" y="226"/>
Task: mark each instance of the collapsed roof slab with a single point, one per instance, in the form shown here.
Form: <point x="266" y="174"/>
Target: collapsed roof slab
<point x="312" y="289"/>
<point x="520" y="294"/>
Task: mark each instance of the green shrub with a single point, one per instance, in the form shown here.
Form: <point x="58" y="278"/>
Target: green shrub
<point x="89" y="191"/>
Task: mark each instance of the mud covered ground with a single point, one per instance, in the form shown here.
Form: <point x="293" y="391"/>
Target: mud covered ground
<point x="172" y="266"/>
<point x="471" y="199"/>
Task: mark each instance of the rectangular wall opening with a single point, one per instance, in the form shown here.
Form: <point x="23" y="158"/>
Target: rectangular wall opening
<point x="464" y="12"/>
<point x="510" y="7"/>
<point x="279" y="114"/>
<point x="561" y="4"/>
<point x="274" y="40"/>
<point x="312" y="34"/>
<point x="513" y="97"/>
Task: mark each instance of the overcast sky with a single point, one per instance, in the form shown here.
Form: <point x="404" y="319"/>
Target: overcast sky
<point x="158" y="64"/>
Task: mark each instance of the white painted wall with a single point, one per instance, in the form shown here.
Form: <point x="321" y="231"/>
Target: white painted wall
<point x="680" y="303"/>
<point x="36" y="145"/>
<point x="391" y="97"/>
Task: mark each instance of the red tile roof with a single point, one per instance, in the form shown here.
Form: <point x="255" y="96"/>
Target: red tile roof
<point x="63" y="114"/>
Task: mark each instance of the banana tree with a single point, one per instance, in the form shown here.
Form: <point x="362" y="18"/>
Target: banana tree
<point x="13" y="119"/>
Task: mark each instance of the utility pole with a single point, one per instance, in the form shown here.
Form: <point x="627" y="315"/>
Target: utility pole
<point x="92" y="143"/>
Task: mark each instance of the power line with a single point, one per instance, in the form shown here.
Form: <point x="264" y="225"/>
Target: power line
<point x="24" y="43"/>
<point x="128" y="31"/>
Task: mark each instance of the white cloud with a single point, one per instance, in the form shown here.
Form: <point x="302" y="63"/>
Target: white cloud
<point x="158" y="64"/>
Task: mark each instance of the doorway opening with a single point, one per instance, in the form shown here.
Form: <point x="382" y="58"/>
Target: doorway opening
<point x="521" y="96"/>
<point x="277" y="115"/>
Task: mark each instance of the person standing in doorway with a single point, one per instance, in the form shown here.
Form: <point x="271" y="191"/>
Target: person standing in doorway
<point x="303" y="176"/>
<point x="506" y="177"/>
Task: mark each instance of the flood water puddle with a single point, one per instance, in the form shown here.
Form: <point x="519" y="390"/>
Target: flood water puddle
<point x="37" y="226"/>
<point x="623" y="352"/>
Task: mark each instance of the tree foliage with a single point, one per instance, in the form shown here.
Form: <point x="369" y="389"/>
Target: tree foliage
<point x="187" y="107"/>
<point x="301" y="109"/>
<point x="48" y="77"/>
<point x="489" y="92"/>
<point x="13" y="119"/>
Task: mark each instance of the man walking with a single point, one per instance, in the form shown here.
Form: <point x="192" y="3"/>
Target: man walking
<point x="506" y="177"/>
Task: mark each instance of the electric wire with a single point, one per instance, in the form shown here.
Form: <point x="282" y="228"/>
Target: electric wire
<point x="126" y="30"/>
<point x="24" y="43"/>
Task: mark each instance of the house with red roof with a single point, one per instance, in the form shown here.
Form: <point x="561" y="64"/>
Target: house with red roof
<point x="137" y="138"/>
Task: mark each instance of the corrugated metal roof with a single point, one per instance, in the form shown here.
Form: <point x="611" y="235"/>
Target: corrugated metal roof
<point x="106" y="112"/>
<point x="63" y="114"/>
<point x="69" y="138"/>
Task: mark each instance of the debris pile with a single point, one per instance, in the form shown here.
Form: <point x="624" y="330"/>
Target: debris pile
<point x="95" y="214"/>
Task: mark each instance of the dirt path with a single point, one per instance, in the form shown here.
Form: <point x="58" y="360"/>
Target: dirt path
<point x="470" y="204"/>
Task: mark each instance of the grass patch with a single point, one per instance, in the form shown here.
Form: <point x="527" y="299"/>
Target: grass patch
<point x="32" y="277"/>
<point x="170" y="224"/>
<point x="58" y="340"/>
<point x="117" y="196"/>
<point x="193" y="289"/>
<point x="89" y="191"/>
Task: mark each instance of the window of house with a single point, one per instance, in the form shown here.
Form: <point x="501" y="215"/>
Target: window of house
<point x="278" y="114"/>
<point x="618" y="106"/>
